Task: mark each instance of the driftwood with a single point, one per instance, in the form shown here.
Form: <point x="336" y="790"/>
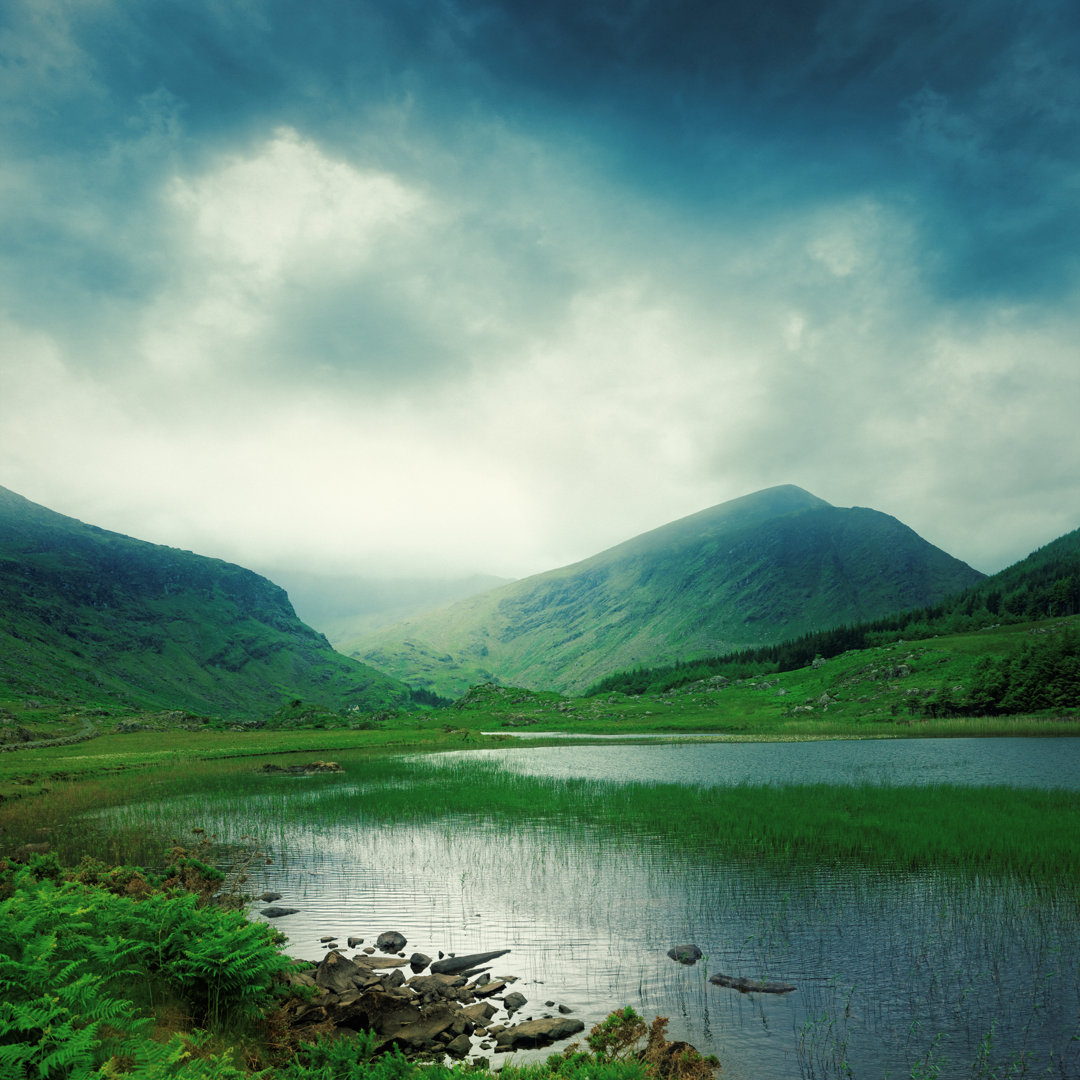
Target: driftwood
<point x="751" y="986"/>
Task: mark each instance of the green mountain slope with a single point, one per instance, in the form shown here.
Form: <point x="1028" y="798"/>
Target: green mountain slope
<point x="760" y="569"/>
<point x="1044" y="585"/>
<point x="91" y="615"/>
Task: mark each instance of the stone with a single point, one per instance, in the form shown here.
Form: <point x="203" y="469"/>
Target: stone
<point x="330" y="938"/>
<point x="489" y="989"/>
<point x="480" y="1013"/>
<point x="390" y="942"/>
<point x="534" y="1033"/>
<point x="419" y="961"/>
<point x="278" y="912"/>
<point x="513" y="1002"/>
<point x="268" y="897"/>
<point x="685" y="954"/>
<point x="459" y="1046"/>
<point x="565" y="1009"/>
<point x="355" y="942"/>
<point x="336" y="973"/>
<point x="454" y="965"/>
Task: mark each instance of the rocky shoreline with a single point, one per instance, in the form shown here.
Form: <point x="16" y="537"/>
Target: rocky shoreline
<point x="453" y="1006"/>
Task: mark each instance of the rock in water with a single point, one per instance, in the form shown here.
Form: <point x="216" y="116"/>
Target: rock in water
<point x="751" y="986"/>
<point x="453" y="965"/>
<point x="513" y="1002"/>
<point x="277" y="912"/>
<point x="685" y="954"/>
<point x="390" y="942"/>
<point x="268" y="897"/>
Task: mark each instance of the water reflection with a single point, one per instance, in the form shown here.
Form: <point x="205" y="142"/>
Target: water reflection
<point x="1020" y="762"/>
<point x="897" y="974"/>
<point x="884" y="964"/>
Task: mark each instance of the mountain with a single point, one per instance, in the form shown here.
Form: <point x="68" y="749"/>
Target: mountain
<point x="92" y="615"/>
<point x="1044" y="585"/>
<point x="756" y="570"/>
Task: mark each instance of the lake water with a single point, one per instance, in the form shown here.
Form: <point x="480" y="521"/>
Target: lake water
<point x="897" y="974"/>
<point x="1021" y="762"/>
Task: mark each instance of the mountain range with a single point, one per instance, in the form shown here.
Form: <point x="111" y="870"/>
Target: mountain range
<point x="95" y="616"/>
<point x="756" y="570"/>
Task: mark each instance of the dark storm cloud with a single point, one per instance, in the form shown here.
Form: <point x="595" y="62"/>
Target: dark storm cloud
<point x="611" y="261"/>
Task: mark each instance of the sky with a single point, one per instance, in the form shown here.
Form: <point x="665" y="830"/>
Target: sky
<point x="439" y="287"/>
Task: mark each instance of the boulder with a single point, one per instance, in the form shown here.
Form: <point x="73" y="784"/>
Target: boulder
<point x="685" y="954"/>
<point x="533" y="1033"/>
<point x="513" y="1002"/>
<point x="390" y="942"/>
<point x="277" y="912"/>
<point x="268" y="897"/>
<point x="419" y="961"/>
<point x="355" y="942"/>
<point x="459" y="1046"/>
<point x="480" y="1013"/>
<point x="338" y="974"/>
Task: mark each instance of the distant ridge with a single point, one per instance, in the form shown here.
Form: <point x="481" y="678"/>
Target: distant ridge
<point x="92" y="615"/>
<point x="759" y="569"/>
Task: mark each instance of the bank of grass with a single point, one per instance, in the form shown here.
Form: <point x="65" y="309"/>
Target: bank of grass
<point x="1030" y="833"/>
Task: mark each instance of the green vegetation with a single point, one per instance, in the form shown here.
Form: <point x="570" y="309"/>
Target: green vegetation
<point x="93" y="618"/>
<point x="753" y="571"/>
<point x="1045" y="585"/>
<point x="110" y="973"/>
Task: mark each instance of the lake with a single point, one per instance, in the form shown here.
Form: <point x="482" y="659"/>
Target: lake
<point x="897" y="974"/>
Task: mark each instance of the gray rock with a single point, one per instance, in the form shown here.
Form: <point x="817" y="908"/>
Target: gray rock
<point x="268" y="897"/>
<point x="459" y="1046"/>
<point x="390" y="942"/>
<point x="513" y="1002"/>
<point x="337" y="974"/>
<point x="535" y="1033"/>
<point x="454" y="965"/>
<point x="419" y="961"/>
<point x="685" y="954"/>
<point x="565" y="1009"/>
<point x="355" y="942"/>
<point x="278" y="912"/>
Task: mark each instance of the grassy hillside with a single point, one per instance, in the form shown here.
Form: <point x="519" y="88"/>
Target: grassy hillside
<point x="755" y="570"/>
<point x="93" y="616"/>
<point x="1044" y="584"/>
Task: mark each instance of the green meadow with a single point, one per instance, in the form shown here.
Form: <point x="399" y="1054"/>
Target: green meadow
<point x="121" y="795"/>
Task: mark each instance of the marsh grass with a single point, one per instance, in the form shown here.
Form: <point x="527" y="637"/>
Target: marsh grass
<point x="1032" y="833"/>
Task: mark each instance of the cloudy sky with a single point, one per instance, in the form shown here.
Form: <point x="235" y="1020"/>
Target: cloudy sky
<point x="443" y="286"/>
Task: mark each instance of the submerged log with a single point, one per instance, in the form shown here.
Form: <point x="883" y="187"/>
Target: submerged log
<point x="751" y="986"/>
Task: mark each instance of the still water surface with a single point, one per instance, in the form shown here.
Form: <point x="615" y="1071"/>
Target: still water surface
<point x="1021" y="762"/>
<point x="898" y="975"/>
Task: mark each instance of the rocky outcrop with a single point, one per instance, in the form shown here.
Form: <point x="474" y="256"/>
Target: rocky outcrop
<point x="429" y="1015"/>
